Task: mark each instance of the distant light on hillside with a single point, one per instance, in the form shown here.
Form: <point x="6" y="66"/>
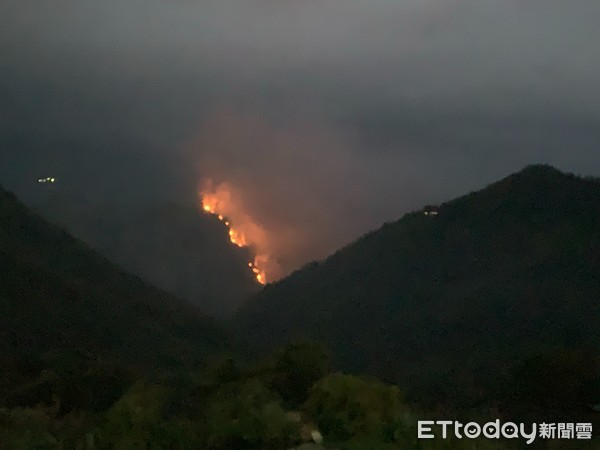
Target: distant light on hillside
<point x="431" y="210"/>
<point x="46" y="180"/>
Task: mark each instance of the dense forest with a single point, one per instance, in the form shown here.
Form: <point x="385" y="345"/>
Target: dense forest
<point x="485" y="307"/>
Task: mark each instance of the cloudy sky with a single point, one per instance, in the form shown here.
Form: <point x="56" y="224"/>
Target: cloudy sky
<point x="328" y="116"/>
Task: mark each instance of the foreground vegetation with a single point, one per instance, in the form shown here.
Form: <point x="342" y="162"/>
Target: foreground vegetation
<point x="91" y="358"/>
<point x="280" y="403"/>
<point x="286" y="400"/>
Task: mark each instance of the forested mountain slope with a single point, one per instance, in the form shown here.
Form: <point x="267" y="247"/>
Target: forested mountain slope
<point x="59" y="299"/>
<point x="450" y="302"/>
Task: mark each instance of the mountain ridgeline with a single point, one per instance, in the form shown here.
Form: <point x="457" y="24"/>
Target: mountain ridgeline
<point x="452" y="301"/>
<point x="58" y="297"/>
<point x="484" y="307"/>
<point x="93" y="358"/>
<point x="173" y="247"/>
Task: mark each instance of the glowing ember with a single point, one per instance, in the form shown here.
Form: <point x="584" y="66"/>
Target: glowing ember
<point x="218" y="203"/>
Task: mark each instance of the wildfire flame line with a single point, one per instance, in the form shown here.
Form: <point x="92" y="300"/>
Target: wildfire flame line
<point x="237" y="238"/>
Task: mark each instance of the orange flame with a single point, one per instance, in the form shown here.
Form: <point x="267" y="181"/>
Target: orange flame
<point x="218" y="202"/>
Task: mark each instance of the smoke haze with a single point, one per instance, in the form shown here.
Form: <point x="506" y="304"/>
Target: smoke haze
<point x="326" y="117"/>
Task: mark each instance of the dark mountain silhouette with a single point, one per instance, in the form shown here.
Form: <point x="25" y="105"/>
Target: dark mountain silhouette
<point x="489" y="301"/>
<point x="58" y="296"/>
<point x="450" y="300"/>
<point x="173" y="247"/>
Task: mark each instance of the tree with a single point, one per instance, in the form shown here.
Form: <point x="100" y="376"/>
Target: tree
<point x="247" y="415"/>
<point x="346" y="406"/>
<point x="297" y="367"/>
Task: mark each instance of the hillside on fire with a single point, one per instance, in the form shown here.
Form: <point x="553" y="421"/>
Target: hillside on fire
<point x="60" y="296"/>
<point x="168" y="245"/>
<point x="93" y="358"/>
<point x="455" y="303"/>
<point x="485" y="306"/>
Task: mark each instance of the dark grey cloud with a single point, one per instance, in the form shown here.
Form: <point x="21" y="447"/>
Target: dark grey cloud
<point x="361" y="110"/>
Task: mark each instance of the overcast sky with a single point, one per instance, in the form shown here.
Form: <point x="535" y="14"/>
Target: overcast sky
<point x="330" y="116"/>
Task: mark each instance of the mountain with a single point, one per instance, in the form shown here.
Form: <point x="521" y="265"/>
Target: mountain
<point x="61" y="299"/>
<point x="91" y="357"/>
<point x="173" y="247"/>
<point x="452" y="301"/>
